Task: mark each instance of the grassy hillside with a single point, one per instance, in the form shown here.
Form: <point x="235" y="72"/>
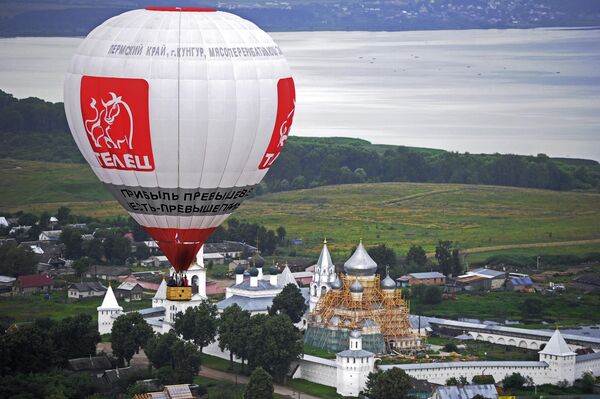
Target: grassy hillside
<point x="397" y="214"/>
<point x="400" y="214"/>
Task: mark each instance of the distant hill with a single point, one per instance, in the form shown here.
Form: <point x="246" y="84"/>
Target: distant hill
<point x="36" y="130"/>
<point x="78" y="17"/>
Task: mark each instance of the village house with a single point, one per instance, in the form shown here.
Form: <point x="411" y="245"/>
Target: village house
<point x="427" y="278"/>
<point x="495" y="277"/>
<point x="130" y="291"/>
<point x="107" y="272"/>
<point x="50" y="235"/>
<point x="85" y="290"/>
<point x="229" y="249"/>
<point x="6" y="285"/>
<point x="33" y="283"/>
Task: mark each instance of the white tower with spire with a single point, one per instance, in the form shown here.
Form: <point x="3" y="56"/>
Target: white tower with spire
<point x="323" y="276"/>
<point x="109" y="308"/>
<point x="560" y="359"/>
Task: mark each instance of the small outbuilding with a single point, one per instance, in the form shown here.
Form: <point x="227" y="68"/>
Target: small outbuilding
<point x="130" y="291"/>
<point x="86" y="290"/>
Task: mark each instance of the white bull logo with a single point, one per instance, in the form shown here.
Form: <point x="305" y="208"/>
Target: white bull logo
<point x="99" y="128"/>
<point x="285" y="127"/>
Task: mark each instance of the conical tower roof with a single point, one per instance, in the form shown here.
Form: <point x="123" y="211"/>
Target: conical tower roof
<point x="360" y="263"/>
<point x="110" y="301"/>
<point x="161" y="293"/>
<point x="286" y="277"/>
<point x="557" y="346"/>
<point x="324" y="263"/>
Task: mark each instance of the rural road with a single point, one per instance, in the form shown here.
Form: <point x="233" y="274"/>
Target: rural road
<point x="530" y="245"/>
<point x="279" y="389"/>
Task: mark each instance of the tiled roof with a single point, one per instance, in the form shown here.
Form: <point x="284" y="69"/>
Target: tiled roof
<point x="355" y="353"/>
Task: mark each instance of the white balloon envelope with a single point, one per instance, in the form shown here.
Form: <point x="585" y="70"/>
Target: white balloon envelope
<point x="180" y="112"/>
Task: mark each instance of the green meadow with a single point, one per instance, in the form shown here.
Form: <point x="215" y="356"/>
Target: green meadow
<point x="488" y="218"/>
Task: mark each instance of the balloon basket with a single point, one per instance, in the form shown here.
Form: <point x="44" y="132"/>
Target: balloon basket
<point x="179" y="293"/>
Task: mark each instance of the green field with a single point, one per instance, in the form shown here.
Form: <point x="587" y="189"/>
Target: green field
<point x="30" y="307"/>
<point x="396" y="214"/>
<point x="401" y="214"/>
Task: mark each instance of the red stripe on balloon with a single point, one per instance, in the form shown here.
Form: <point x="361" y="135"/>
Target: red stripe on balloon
<point x="180" y="246"/>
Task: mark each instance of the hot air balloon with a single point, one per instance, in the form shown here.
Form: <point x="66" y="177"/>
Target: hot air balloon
<point x="180" y="112"/>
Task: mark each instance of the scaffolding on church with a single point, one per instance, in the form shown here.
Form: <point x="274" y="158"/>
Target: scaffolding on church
<point x="375" y="311"/>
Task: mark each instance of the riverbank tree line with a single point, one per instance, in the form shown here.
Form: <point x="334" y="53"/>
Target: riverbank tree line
<point x="33" y="129"/>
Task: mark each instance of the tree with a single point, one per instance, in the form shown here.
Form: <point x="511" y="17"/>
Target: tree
<point x="281" y="233"/>
<point x="27" y="219"/>
<point x="383" y="256"/>
<point x="390" y="384"/>
<point x="587" y="382"/>
<point x="260" y="385"/>
<point x="450" y="347"/>
<point x="516" y="381"/>
<point x="484" y="379"/>
<point x="16" y="261"/>
<point x="532" y="309"/>
<point x="44" y="221"/>
<point x="273" y="343"/>
<point x="444" y="257"/>
<point x="416" y="255"/>
<point x="457" y="269"/>
<point x="62" y="214"/>
<point x="93" y="249"/>
<point x="417" y="292"/>
<point x="232" y="335"/>
<point x="130" y="332"/>
<point x="26" y="349"/>
<point x="198" y="324"/>
<point x="460" y="381"/>
<point x="117" y="248"/>
<point x="432" y="295"/>
<point x="74" y="337"/>
<point x="82" y="265"/>
<point x="141" y="251"/>
<point x="177" y="361"/>
<point x="289" y="301"/>
<point x="73" y="242"/>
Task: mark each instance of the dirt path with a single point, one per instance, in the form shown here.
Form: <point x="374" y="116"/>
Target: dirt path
<point x="530" y="245"/>
<point x="279" y="389"/>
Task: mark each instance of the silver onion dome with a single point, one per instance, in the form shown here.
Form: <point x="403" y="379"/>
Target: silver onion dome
<point x="337" y="283"/>
<point x="360" y="263"/>
<point x="355" y="334"/>
<point x="356" y="287"/>
<point x="388" y="283"/>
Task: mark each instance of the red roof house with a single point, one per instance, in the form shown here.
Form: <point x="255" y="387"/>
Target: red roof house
<point x="32" y="283"/>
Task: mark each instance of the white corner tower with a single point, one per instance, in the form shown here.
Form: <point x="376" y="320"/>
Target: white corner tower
<point x="323" y="276"/>
<point x="108" y="311"/>
<point x="353" y="366"/>
<point x="560" y="359"/>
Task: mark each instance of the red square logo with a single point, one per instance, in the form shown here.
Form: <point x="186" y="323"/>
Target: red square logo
<point x="286" y="105"/>
<point x="116" y="121"/>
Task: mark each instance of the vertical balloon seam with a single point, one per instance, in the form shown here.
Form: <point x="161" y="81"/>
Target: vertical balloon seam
<point x="235" y="121"/>
<point x="145" y="217"/>
<point x="260" y="116"/>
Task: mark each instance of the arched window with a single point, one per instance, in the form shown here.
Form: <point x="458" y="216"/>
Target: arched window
<point x="323" y="290"/>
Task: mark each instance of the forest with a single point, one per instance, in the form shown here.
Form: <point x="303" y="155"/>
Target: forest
<point x="33" y="129"/>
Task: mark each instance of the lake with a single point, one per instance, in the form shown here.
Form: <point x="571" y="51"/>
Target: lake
<point x="509" y="91"/>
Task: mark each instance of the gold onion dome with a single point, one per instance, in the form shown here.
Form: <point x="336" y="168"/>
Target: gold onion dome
<point x="360" y="263"/>
<point x="356" y="287"/>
